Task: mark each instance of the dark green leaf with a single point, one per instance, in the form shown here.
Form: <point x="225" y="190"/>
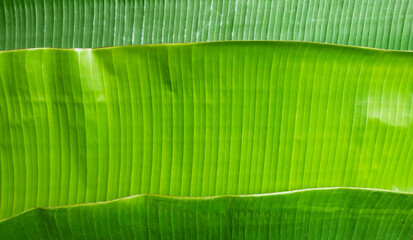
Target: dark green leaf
<point x="98" y="23"/>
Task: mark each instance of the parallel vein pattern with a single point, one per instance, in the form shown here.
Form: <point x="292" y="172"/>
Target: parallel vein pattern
<point x="201" y="120"/>
<point x="316" y="214"/>
<point x="383" y="24"/>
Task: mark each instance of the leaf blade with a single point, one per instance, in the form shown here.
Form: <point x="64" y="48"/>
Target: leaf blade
<point x="83" y="24"/>
<point x="201" y="119"/>
<point x="339" y="213"/>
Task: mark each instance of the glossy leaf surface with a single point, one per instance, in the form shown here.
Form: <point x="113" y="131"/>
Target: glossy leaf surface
<point x="383" y="24"/>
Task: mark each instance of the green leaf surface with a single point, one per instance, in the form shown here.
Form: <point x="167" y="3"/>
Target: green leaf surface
<point x="383" y="24"/>
<point x="206" y="119"/>
<point x="313" y="214"/>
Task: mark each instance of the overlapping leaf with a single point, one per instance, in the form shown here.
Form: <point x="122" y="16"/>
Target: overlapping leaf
<point x="101" y="23"/>
<point x="80" y="126"/>
<point x="313" y="214"/>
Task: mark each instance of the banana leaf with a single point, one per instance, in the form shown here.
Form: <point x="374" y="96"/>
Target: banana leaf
<point x="313" y="214"/>
<point x="383" y="24"/>
<point x="204" y="119"/>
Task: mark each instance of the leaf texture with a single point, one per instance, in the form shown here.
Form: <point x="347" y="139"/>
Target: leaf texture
<point x="209" y="119"/>
<point x="313" y="214"/>
<point x="383" y="24"/>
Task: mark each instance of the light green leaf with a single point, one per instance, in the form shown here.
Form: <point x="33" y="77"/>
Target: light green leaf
<point x="313" y="214"/>
<point x="98" y="23"/>
<point x="79" y="126"/>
